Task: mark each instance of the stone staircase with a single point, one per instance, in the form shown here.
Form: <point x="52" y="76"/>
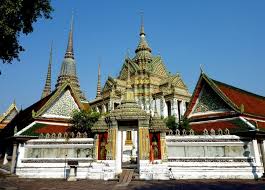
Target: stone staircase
<point x="126" y="177"/>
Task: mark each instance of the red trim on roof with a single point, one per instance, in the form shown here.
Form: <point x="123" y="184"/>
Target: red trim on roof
<point x="194" y="97"/>
<point x="52" y="129"/>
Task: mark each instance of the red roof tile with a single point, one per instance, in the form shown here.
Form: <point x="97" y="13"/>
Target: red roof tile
<point x="253" y="104"/>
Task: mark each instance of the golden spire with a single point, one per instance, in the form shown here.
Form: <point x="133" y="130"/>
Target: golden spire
<point x="47" y="87"/>
<point x="99" y="85"/>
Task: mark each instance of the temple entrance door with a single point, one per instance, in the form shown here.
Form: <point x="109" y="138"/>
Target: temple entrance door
<point x="128" y="144"/>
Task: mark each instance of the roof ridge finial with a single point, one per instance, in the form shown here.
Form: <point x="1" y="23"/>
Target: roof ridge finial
<point x="201" y="68"/>
<point x="142" y="24"/>
<point x="99" y="82"/>
<point x="70" y="50"/>
<point x="47" y="87"/>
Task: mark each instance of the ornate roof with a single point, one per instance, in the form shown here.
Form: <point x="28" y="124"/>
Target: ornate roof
<point x="240" y="101"/>
<point x="100" y="125"/>
<point x="157" y="124"/>
<point x="129" y="109"/>
<point x="35" y="111"/>
<point x="7" y="116"/>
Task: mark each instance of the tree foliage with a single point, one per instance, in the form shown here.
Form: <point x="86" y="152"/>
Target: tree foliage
<point x="16" y="17"/>
<point x="171" y="123"/>
<point x="184" y="124"/>
<point x="83" y="120"/>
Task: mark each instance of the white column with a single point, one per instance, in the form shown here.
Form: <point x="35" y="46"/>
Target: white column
<point x="262" y="147"/>
<point x="256" y="152"/>
<point x="21" y="153"/>
<point x="163" y="107"/>
<point x="158" y="106"/>
<point x="174" y="107"/>
<point x="119" y="152"/>
<point x="14" y="158"/>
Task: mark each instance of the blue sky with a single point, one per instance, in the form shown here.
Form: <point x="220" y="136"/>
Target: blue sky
<point x="225" y="36"/>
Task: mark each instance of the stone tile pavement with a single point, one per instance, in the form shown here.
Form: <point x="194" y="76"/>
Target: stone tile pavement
<point x="11" y="183"/>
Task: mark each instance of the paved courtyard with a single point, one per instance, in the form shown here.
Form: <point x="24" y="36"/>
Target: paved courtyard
<point x="43" y="184"/>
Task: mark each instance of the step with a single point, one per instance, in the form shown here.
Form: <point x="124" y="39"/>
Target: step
<point x="126" y="177"/>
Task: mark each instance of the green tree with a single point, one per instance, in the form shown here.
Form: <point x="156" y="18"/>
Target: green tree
<point x="83" y="120"/>
<point x="171" y="123"/>
<point x="16" y="17"/>
<point x="184" y="124"/>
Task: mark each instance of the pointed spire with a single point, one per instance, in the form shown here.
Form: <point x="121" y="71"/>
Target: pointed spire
<point x="70" y="51"/>
<point x="143" y="51"/>
<point x="68" y="67"/>
<point x="142" y="25"/>
<point x="99" y="83"/>
<point x="47" y="87"/>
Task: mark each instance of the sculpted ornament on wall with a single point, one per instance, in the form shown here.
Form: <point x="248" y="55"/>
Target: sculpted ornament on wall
<point x="209" y="101"/>
<point x="64" y="106"/>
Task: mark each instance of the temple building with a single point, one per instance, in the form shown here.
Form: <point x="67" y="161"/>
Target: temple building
<point x="52" y="113"/>
<point x="151" y="84"/>
<point x="223" y="139"/>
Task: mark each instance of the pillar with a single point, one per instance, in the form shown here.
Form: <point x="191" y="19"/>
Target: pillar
<point x="14" y="158"/>
<point x="163" y="146"/>
<point x="163" y="107"/>
<point x="256" y="152"/>
<point x="112" y="135"/>
<point x="174" y="108"/>
<point x="262" y="149"/>
<point x="144" y="144"/>
<point x="96" y="146"/>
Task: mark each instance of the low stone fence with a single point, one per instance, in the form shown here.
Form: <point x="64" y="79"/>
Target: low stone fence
<point x="191" y="132"/>
<point x="65" y="135"/>
<point x="49" y="157"/>
<point x="215" y="154"/>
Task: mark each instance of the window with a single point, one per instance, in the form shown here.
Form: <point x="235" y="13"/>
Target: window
<point x="168" y="108"/>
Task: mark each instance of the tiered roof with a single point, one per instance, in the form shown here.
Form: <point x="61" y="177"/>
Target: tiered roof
<point x="239" y="110"/>
<point x="7" y="116"/>
<point x="35" y="111"/>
